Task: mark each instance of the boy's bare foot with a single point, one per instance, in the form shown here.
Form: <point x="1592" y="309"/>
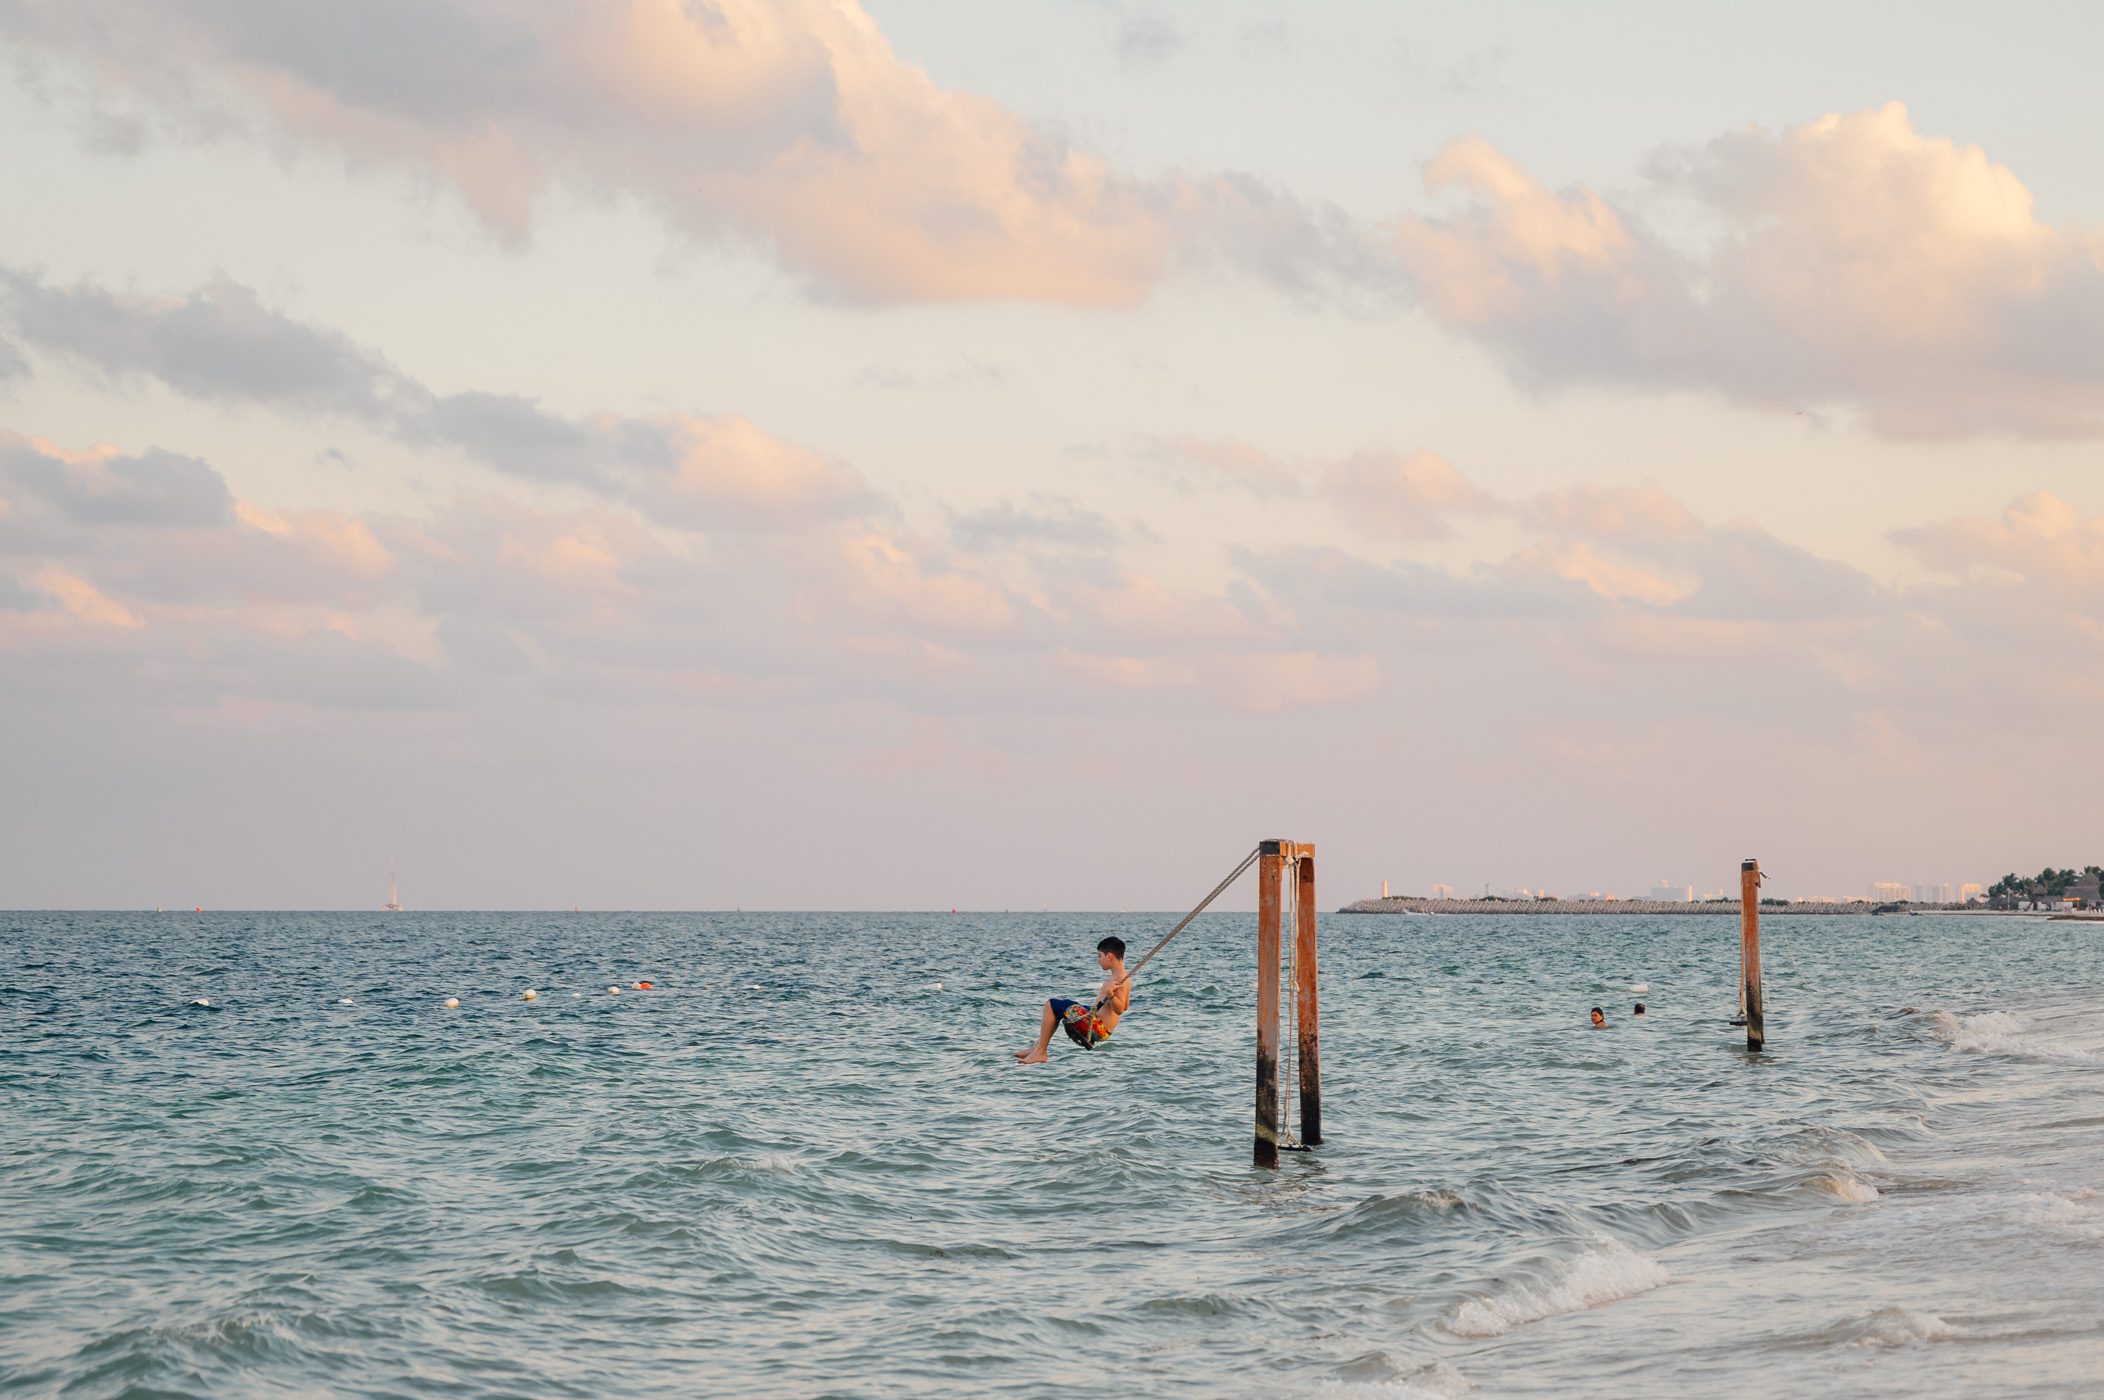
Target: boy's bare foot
<point x="1031" y="1057"/>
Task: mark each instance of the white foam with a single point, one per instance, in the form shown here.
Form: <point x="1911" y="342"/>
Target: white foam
<point x="1998" y="1033"/>
<point x="2075" y="1213"/>
<point x="1896" y="1327"/>
<point x="1438" y="1381"/>
<point x="1843" y="1184"/>
<point x="1603" y="1274"/>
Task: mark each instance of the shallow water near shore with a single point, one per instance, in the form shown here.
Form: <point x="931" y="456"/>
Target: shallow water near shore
<point x="798" y="1167"/>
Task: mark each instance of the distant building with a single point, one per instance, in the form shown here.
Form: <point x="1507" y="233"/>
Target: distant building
<point x="1673" y="894"/>
<point x="1968" y="893"/>
<point x="1888" y="891"/>
<point x="1442" y="891"/>
<point x="1384" y="889"/>
<point x="1708" y="895"/>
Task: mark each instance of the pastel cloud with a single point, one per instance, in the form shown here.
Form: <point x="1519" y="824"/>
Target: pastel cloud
<point x="221" y="343"/>
<point x="786" y="125"/>
<point x="104" y="487"/>
<point x="1855" y="262"/>
<point x="1411" y="496"/>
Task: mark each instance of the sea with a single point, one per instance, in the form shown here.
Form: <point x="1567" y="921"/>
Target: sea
<point x="259" y="1154"/>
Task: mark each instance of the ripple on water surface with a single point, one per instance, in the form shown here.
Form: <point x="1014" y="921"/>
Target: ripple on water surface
<point x="794" y="1165"/>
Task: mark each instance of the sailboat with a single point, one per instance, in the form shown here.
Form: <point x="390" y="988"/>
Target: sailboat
<point x="394" y="896"/>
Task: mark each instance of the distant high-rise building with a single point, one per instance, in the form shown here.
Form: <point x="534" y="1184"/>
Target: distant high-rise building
<point x="1673" y="894"/>
<point x="1384" y="889"/>
<point x="1442" y="891"/>
<point x="1888" y="891"/>
<point x="1969" y="893"/>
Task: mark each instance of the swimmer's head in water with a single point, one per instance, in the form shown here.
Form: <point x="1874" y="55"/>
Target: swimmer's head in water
<point x="1599" y="1017"/>
<point x="1639" y="1008"/>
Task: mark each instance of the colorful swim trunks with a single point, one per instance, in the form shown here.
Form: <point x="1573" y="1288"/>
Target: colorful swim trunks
<point x="1081" y="1025"/>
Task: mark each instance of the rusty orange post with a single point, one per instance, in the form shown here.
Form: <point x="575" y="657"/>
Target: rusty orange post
<point x="1306" y="1012"/>
<point x="1750" y="950"/>
<point x="1269" y="859"/>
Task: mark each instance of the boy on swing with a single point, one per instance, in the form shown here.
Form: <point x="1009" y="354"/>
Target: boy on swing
<point x="1085" y="1025"/>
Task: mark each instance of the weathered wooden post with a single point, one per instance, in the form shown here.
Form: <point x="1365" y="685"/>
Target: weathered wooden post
<point x="1306" y="1012"/>
<point x="1750" y="950"/>
<point x="1268" y="861"/>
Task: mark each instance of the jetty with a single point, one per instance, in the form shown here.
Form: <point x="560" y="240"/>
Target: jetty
<point x="1722" y="908"/>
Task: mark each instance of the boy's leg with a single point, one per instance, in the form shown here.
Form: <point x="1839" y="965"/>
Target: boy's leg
<point x="1041" y="1052"/>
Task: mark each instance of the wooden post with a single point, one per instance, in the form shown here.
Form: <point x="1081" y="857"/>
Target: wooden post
<point x="1750" y="950"/>
<point x="1267" y="1002"/>
<point x="1306" y="1012"/>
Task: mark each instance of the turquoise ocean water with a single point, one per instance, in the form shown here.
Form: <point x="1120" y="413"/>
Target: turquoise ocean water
<point x="801" y="1167"/>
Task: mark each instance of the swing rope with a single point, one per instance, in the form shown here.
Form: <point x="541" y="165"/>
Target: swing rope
<point x="1181" y="924"/>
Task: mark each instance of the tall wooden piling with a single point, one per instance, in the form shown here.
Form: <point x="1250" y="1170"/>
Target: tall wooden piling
<point x="1750" y="950"/>
<point x="1270" y="856"/>
<point x="1306" y="1011"/>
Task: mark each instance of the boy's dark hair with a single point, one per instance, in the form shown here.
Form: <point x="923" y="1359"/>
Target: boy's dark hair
<point x="1639" y="1008"/>
<point x="1598" y="1012"/>
<point x="1113" y="946"/>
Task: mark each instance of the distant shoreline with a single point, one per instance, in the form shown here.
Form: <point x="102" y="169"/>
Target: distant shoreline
<point x="1720" y="908"/>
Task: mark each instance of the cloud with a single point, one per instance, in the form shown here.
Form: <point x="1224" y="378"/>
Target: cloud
<point x="82" y="599"/>
<point x="787" y="126"/>
<point x="1854" y="262"/>
<point x="1201" y="463"/>
<point x="1047" y="520"/>
<point x="1406" y="497"/>
<point x="1614" y="511"/>
<point x="1409" y="496"/>
<point x="1269" y="682"/>
<point x="2039" y="537"/>
<point x="1147" y="41"/>
<point x="219" y="343"/>
<point x="104" y="487"/>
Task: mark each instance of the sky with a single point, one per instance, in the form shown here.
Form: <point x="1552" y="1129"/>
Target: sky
<point x="666" y="454"/>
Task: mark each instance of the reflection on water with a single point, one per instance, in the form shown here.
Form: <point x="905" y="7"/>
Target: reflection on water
<point x="803" y="1163"/>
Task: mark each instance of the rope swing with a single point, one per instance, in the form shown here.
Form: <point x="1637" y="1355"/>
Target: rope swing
<point x="1181" y="924"/>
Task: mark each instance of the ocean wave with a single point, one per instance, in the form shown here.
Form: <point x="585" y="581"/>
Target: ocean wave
<point x="1896" y="1327"/>
<point x="1605" y="1273"/>
<point x="1377" y="1214"/>
<point x="2077" y="1213"/>
<point x="1438" y="1381"/>
<point x="1843" y="1185"/>
<point x="1999" y="1033"/>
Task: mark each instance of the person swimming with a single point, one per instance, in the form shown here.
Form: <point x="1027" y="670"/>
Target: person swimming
<point x="1086" y="1025"/>
<point x="1599" y="1018"/>
<point x="1639" y="1009"/>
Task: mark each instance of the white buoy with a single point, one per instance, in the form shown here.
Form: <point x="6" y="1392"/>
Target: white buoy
<point x="529" y="995"/>
<point x="938" y="986"/>
<point x="613" y="991"/>
<point x="452" y="1003"/>
<point x="202" y="1001"/>
<point x="345" y="1001"/>
<point x="1640" y="988"/>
